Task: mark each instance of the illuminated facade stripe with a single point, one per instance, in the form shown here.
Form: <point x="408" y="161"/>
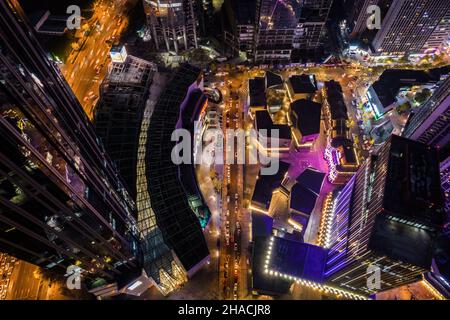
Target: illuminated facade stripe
<point x="307" y="283"/>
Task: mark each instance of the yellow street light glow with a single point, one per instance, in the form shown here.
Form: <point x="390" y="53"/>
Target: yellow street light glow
<point x="428" y="286"/>
<point x="251" y="207"/>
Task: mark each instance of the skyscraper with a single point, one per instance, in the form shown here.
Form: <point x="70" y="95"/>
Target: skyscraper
<point x="204" y="10"/>
<point x="239" y="25"/>
<point x="282" y="26"/>
<point x="358" y="16"/>
<point x="441" y="34"/>
<point x="61" y="200"/>
<point x="387" y="217"/>
<point x="170" y="208"/>
<point x="431" y="123"/>
<point x="445" y="181"/>
<point x="412" y="26"/>
<point x="172" y="24"/>
<point x="118" y="114"/>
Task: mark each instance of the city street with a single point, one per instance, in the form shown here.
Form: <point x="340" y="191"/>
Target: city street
<point x="23" y="281"/>
<point x="235" y="219"/>
<point x="224" y="150"/>
<point x="233" y="257"/>
<point x="86" y="68"/>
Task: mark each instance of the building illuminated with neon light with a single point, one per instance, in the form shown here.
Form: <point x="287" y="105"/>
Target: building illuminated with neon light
<point x="340" y="153"/>
<point x="445" y="181"/>
<point x="342" y="160"/>
<point x="388" y="216"/>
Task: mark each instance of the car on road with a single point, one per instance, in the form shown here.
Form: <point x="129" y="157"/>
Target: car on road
<point x="97" y="69"/>
<point x="91" y="95"/>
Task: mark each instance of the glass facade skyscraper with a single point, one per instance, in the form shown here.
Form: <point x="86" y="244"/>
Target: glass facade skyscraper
<point x="412" y="26"/>
<point x="387" y="216"/>
<point x="118" y="114"/>
<point x="61" y="200"/>
<point x="430" y="124"/>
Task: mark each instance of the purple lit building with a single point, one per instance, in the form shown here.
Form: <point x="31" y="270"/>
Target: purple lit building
<point x="342" y="160"/>
<point x="387" y="216"/>
<point x="430" y="124"/>
<point x="276" y="138"/>
<point x="445" y="181"/>
<point x="340" y="153"/>
<point x="265" y="186"/>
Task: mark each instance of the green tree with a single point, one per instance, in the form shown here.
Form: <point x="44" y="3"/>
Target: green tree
<point x="422" y="96"/>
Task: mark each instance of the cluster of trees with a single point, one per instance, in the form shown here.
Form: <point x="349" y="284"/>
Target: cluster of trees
<point x="422" y="96"/>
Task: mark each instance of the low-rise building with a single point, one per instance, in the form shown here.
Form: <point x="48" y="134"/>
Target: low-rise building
<point x="257" y="94"/>
<point x="273" y="79"/>
<point x="342" y="159"/>
<point x="301" y="87"/>
<point x="272" y="139"/>
<point x="305" y="119"/>
<point x="335" y="111"/>
<point x="340" y="153"/>
<point x="383" y="95"/>
<point x="303" y="197"/>
<point x="265" y="186"/>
